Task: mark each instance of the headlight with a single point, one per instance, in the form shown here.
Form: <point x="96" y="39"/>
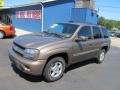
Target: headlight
<point x="31" y="53"/>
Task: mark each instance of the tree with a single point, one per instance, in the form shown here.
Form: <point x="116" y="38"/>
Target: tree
<point x="101" y="21"/>
<point x="109" y="24"/>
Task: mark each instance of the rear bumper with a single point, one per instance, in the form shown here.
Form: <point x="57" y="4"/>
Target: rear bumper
<point x="26" y="65"/>
<point x="11" y="33"/>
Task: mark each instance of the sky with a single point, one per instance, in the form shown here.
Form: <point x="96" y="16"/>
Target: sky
<point x="110" y="9"/>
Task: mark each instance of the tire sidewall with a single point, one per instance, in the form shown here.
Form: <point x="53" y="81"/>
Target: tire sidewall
<point x="46" y="73"/>
<point x="101" y="51"/>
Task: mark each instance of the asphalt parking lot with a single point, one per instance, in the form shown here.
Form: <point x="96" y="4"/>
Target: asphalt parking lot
<point x="83" y="76"/>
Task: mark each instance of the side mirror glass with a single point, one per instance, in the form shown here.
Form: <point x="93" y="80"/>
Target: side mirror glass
<point x="82" y="38"/>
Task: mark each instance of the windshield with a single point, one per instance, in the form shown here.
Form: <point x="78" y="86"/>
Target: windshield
<point x="62" y="30"/>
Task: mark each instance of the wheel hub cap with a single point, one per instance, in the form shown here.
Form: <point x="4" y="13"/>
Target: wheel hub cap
<point x="56" y="69"/>
<point x="102" y="56"/>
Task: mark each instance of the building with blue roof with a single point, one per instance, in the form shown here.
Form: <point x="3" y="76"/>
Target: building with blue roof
<point x="36" y="17"/>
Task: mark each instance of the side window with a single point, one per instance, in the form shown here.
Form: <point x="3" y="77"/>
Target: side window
<point x="105" y="33"/>
<point x="85" y="31"/>
<point x="97" y="33"/>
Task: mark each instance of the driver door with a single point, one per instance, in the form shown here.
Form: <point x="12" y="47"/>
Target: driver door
<point x="83" y="49"/>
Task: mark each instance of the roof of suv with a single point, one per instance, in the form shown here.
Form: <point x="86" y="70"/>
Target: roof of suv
<point x="75" y="23"/>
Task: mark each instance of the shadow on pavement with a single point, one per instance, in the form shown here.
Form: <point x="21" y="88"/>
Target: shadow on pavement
<point x="40" y="78"/>
<point x="80" y="64"/>
<point x="10" y="37"/>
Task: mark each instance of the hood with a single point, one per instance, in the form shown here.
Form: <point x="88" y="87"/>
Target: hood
<point x="35" y="40"/>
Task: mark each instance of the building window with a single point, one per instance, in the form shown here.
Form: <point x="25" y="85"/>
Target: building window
<point x="92" y="14"/>
<point x="6" y="19"/>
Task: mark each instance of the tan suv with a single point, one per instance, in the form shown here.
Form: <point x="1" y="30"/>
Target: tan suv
<point x="50" y="52"/>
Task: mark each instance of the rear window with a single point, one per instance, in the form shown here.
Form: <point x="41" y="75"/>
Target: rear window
<point x="105" y="33"/>
<point x="96" y="32"/>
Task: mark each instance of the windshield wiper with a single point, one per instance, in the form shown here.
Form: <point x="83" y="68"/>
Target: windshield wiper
<point x="54" y="34"/>
<point x="57" y="35"/>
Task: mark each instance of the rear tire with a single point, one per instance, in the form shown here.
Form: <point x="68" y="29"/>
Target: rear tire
<point x="101" y="56"/>
<point x="2" y="35"/>
<point x="54" y="69"/>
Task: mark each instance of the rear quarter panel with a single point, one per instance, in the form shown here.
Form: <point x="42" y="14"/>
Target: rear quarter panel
<point x="8" y="30"/>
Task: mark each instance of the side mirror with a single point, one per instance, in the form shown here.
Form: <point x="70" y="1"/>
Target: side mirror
<point x="81" y="38"/>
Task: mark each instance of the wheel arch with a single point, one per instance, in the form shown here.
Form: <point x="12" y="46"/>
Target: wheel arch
<point x="62" y="54"/>
<point x="105" y="48"/>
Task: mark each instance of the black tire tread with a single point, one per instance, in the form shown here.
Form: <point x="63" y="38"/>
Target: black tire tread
<point x="45" y="72"/>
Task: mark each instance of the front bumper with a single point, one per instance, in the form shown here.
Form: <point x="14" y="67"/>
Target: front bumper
<point x="26" y="65"/>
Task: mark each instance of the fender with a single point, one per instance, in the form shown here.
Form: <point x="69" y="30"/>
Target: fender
<point x="49" y="53"/>
<point x="104" y="44"/>
<point x="2" y="29"/>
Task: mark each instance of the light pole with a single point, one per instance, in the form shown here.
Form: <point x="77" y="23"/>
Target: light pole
<point x="42" y="27"/>
<point x="41" y="3"/>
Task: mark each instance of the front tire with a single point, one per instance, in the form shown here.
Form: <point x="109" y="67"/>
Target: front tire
<point x="54" y="69"/>
<point x="101" y="56"/>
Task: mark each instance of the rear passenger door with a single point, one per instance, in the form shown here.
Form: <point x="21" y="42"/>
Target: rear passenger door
<point x="98" y="39"/>
<point x="83" y="50"/>
<point x="106" y="40"/>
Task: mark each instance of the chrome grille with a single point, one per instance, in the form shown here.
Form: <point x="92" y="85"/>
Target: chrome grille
<point x="18" y="49"/>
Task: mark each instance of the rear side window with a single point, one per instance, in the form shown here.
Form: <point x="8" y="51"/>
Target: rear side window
<point x="105" y="33"/>
<point x="85" y="31"/>
<point x="97" y="33"/>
